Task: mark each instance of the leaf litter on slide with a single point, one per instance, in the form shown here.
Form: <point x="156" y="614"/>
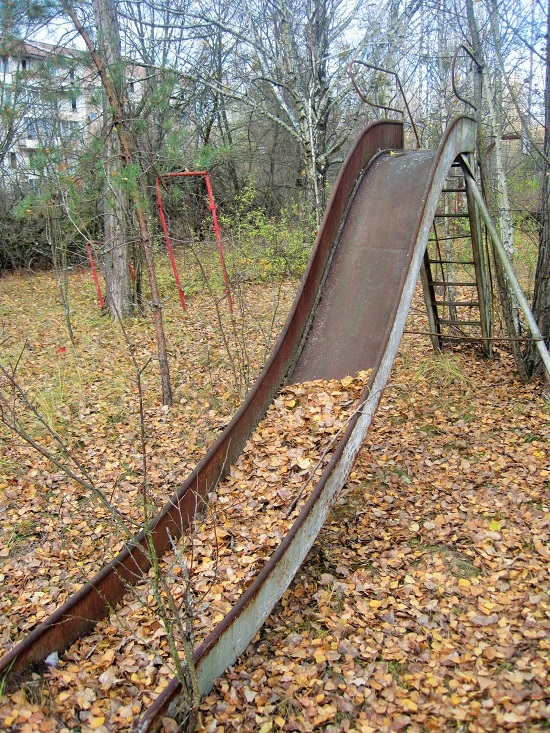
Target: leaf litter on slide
<point x="241" y="527"/>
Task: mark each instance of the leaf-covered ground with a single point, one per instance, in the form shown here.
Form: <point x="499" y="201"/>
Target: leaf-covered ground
<point x="424" y="605"/>
<point x="53" y="533"/>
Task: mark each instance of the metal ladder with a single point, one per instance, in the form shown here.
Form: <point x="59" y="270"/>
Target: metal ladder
<point x="454" y="274"/>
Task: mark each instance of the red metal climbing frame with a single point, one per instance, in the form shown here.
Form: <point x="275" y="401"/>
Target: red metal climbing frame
<point x="217" y="231"/>
<point x="94" y="275"/>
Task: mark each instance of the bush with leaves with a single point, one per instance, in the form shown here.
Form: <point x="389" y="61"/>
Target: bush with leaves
<point x="264" y="248"/>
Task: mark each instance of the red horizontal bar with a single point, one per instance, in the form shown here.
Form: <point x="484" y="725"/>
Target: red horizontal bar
<point x="182" y="174"/>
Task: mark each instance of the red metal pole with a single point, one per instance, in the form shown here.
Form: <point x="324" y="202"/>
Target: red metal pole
<point x="217" y="230"/>
<point x="94" y="275"/>
<point x="218" y="233"/>
<point x="169" y="245"/>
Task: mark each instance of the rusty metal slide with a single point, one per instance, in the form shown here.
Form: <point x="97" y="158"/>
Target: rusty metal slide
<point x="348" y="315"/>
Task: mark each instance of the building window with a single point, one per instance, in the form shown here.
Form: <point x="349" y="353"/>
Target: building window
<point x="28" y="96"/>
<point x="30" y="129"/>
<point x="24" y="64"/>
<point x="13" y="160"/>
<point x="68" y="127"/>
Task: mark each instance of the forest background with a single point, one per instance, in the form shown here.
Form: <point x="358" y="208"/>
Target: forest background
<point x="260" y="95"/>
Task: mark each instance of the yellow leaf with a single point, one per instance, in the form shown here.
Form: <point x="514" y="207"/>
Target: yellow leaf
<point x="409" y="704"/>
<point x="495" y="526"/>
<point x="512" y="718"/>
<point x="266" y="727"/>
<point x="364" y="727"/>
<point x="109" y="655"/>
<point x="96" y="722"/>
<point x="346" y="381"/>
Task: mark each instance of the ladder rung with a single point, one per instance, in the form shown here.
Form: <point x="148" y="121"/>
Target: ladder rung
<point x="450" y="238"/>
<point x="458" y="303"/>
<point x="453" y="190"/>
<point x="459" y="339"/>
<point x="451" y="216"/>
<point x="451" y="262"/>
<point x="459" y="323"/>
<point x="453" y="285"/>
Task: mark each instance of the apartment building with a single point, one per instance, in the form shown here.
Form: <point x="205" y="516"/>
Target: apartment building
<point x="49" y="99"/>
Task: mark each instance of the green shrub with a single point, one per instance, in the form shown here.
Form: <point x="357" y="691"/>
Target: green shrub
<point x="264" y="248"/>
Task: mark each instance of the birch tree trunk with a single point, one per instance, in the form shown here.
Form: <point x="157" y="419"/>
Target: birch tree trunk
<point x="494" y="101"/>
<point x="499" y="197"/>
<point x="541" y="297"/>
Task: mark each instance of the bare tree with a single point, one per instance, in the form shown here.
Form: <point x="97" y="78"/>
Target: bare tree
<point x="289" y="65"/>
<point x="492" y="86"/>
<point x="116" y="250"/>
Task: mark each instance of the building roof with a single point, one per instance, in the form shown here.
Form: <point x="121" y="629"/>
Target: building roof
<point x="35" y="49"/>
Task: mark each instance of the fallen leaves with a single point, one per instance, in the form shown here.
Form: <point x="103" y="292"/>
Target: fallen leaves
<point x="422" y="612"/>
<point x="53" y="534"/>
<point x="250" y="515"/>
<point x="424" y="602"/>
